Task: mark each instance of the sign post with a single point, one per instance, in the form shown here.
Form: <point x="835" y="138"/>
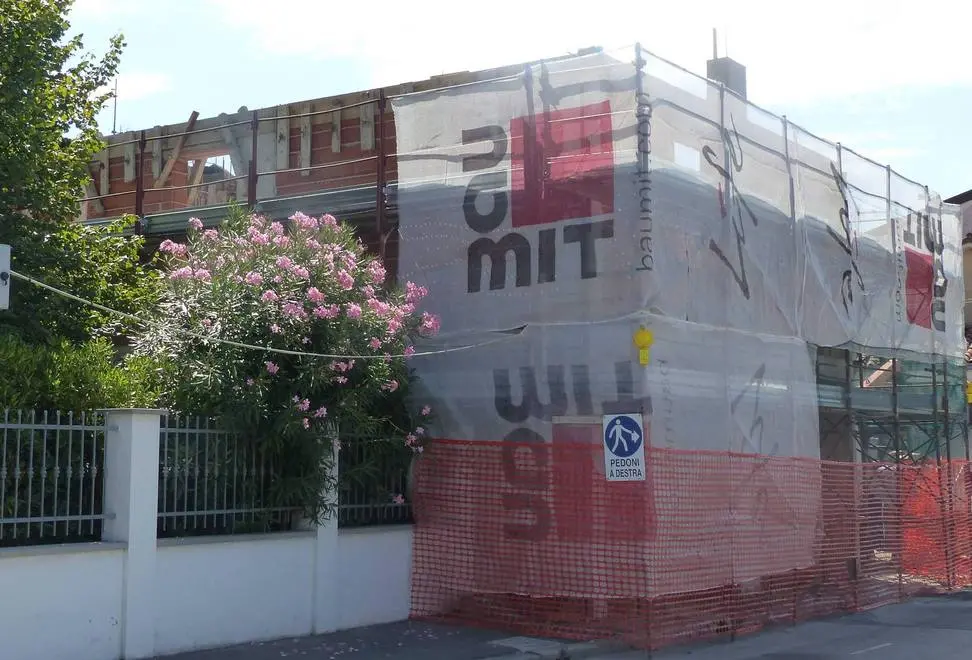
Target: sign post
<point x="624" y="447"/>
<point x="4" y="277"/>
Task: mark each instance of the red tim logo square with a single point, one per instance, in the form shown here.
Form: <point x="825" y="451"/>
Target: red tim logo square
<point x="562" y="165"/>
<point x="918" y="287"/>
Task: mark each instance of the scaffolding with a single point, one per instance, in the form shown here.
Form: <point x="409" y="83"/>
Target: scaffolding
<point x="884" y="409"/>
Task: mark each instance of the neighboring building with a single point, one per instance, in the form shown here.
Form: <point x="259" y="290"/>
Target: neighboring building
<point x="964" y="200"/>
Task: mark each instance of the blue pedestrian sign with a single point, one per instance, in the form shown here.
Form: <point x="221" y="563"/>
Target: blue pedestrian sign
<point x="624" y="447"/>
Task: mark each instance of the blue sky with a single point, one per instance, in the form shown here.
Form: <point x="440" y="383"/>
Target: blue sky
<point x="890" y="79"/>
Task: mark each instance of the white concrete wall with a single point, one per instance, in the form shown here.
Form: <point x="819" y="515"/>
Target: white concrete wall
<point x="61" y="602"/>
<point x="227" y="590"/>
<point x="375" y="579"/>
<point x="137" y="596"/>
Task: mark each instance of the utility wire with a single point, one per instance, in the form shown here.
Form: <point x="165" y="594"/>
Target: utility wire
<point x="506" y="334"/>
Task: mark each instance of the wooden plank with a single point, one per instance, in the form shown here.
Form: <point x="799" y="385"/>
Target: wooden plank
<point x="91" y="191"/>
<point x="130" y="156"/>
<point x="283" y="138"/>
<point x="104" y="173"/>
<point x="174" y="156"/>
<point x="367" y="117"/>
<point x="306" y="135"/>
<point x="233" y="146"/>
<point x="336" y="131"/>
<point x="195" y="178"/>
<point x="156" y="146"/>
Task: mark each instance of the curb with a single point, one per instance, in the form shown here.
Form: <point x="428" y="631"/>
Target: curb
<point x="575" y="651"/>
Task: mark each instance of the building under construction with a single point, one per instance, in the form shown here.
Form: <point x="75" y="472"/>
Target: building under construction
<point x="610" y="234"/>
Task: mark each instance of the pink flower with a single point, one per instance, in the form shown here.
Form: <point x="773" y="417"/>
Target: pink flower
<point x="349" y="260"/>
<point x="376" y="272"/>
<point x="253" y="278"/>
<point x="374" y="343"/>
<point x="345" y="281"/>
<point x="390" y="386"/>
<point x="398" y="499"/>
<point x="272" y="368"/>
<point x="426" y="411"/>
<point x="183" y="273"/>
<point x="301" y="272"/>
<point x="210" y="234"/>
<point x="419" y="449"/>
<point x="269" y="296"/>
<point x="306" y="423"/>
<point x="275" y="329"/>
<point x="276" y="228"/>
<point x="281" y="241"/>
<point x="195" y="223"/>
<point x="202" y="274"/>
<point x="277" y="279"/>
<point x="207" y="323"/>
<point x="320" y="412"/>
<point x="410" y="440"/>
<point x="329" y="220"/>
<point x="304" y="221"/>
<point x="340" y="380"/>
<point x="313" y="244"/>
<point x="258" y="238"/>
<point x="314" y="295"/>
<point x="176" y="249"/>
<point x="393" y="326"/>
<point x="305" y="340"/>
<point x="250" y="381"/>
<point x="378" y="307"/>
<point x="409" y="351"/>
<point x="414" y="293"/>
<point x="327" y="311"/>
<point x="294" y="310"/>
<point x="304" y="405"/>
<point x="284" y="263"/>
<point x="430" y="324"/>
<point x="419" y="430"/>
<point x="354" y="311"/>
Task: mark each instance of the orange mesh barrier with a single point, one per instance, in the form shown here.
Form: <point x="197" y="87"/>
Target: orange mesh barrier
<point x="531" y="538"/>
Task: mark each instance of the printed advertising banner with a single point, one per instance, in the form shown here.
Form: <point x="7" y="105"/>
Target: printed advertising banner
<point x="588" y="197"/>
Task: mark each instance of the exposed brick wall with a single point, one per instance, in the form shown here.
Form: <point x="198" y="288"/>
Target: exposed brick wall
<point x="350" y="174"/>
<point x="154" y="202"/>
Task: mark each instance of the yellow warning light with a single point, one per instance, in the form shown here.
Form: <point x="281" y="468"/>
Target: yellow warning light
<point x="643" y="339"/>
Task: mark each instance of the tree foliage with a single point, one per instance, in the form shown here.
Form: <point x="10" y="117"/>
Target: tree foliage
<point x="49" y="89"/>
<point x="306" y="289"/>
<point x="50" y="94"/>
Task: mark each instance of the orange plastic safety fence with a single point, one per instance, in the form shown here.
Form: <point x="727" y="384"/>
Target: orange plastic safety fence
<point x="533" y="539"/>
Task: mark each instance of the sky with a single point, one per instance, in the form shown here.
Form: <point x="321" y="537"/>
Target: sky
<point x="887" y="78"/>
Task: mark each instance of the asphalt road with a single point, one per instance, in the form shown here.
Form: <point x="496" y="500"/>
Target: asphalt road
<point x="928" y="628"/>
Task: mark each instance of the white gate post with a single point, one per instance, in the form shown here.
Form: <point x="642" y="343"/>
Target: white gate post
<point x="131" y="506"/>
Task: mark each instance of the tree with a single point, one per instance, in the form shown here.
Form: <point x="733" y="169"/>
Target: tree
<point x="44" y="98"/>
<point x="253" y="285"/>
<point x="49" y="97"/>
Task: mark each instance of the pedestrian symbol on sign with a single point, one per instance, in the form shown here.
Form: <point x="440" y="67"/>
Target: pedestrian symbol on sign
<point x="624" y="447"/>
<point x="621" y="433"/>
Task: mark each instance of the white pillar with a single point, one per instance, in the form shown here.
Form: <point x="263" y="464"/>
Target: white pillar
<point x="131" y="504"/>
<point x="326" y="570"/>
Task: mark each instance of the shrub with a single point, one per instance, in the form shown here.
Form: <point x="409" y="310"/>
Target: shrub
<point x="66" y="376"/>
<point x="306" y="288"/>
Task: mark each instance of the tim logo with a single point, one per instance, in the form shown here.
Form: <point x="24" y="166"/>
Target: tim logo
<point x="551" y="172"/>
<point x="925" y="282"/>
